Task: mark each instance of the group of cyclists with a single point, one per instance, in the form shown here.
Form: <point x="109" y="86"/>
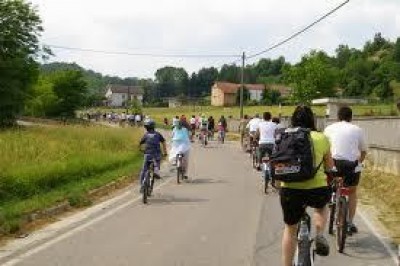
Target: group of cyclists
<point x="341" y="148"/>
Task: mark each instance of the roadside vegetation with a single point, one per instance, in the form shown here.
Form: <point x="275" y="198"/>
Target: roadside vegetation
<point x="42" y="166"/>
<point x="382" y="191"/>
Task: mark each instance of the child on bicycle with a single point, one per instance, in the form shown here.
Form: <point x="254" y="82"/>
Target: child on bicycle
<point x="152" y="151"/>
<point x="180" y="145"/>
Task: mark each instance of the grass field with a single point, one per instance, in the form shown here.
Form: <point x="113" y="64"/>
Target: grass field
<point x="41" y="166"/>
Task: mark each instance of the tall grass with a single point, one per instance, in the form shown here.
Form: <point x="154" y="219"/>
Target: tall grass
<point x="42" y="165"/>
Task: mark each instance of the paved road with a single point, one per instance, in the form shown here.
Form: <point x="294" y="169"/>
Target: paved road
<point x="220" y="217"/>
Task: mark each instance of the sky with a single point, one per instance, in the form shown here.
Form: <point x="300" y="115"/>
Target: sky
<point x="204" y="27"/>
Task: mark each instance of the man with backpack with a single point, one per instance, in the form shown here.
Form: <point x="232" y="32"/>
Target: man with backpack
<point x="298" y="161"/>
<point x="348" y="148"/>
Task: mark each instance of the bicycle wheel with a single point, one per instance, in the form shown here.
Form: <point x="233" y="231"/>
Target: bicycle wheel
<point x="179" y="175"/>
<point x="146" y="187"/>
<point x="151" y="180"/>
<point x="341" y="223"/>
<point x="304" y="253"/>
<point x="332" y="210"/>
<point x="254" y="158"/>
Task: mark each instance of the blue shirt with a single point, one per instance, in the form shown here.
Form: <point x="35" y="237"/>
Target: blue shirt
<point x="152" y="140"/>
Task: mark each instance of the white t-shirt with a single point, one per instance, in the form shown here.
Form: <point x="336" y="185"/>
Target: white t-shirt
<point x="253" y="124"/>
<point x="267" y="132"/>
<point x="347" y="140"/>
<point x="193" y="121"/>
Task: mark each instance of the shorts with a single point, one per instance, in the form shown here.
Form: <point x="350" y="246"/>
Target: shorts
<point x="295" y="201"/>
<point x="265" y="149"/>
<point x="346" y="170"/>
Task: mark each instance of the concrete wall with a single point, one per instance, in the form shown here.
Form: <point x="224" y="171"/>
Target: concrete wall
<point x="382" y="135"/>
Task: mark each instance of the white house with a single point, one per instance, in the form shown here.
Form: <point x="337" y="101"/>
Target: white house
<point x="120" y="95"/>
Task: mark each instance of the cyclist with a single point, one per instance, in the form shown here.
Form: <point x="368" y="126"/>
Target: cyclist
<point x="152" y="140"/>
<point x="253" y="127"/>
<point x="211" y="127"/>
<point x="180" y="145"/>
<point x="296" y="196"/>
<point x="222" y="128"/>
<point x="203" y="126"/>
<point x="192" y="127"/>
<point x="348" y="148"/>
<point x="266" y="132"/>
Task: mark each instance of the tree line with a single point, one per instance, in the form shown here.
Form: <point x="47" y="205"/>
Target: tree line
<point x="58" y="89"/>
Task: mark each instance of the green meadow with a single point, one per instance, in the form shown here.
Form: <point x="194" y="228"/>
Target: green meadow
<point x="43" y="165"/>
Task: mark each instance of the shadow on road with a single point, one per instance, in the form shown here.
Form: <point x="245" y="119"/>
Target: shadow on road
<point x="201" y="181"/>
<point x="365" y="246"/>
<point x="171" y="199"/>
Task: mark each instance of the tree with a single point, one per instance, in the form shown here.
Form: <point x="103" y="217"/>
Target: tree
<point x="20" y="27"/>
<point x="396" y="51"/>
<point x="171" y="81"/>
<point x="70" y="89"/>
<point x="312" y="77"/>
<point x="270" y="97"/>
<point x="43" y="100"/>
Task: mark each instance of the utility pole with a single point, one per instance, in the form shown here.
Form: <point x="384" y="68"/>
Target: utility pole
<point x="242" y="86"/>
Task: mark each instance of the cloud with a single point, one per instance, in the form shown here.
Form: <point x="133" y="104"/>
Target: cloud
<point x="205" y="27"/>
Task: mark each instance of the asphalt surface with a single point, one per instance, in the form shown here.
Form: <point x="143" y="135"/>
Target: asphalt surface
<point x="219" y="217"/>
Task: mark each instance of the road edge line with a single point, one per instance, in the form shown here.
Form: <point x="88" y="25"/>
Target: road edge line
<point x="34" y="250"/>
<point x="370" y="226"/>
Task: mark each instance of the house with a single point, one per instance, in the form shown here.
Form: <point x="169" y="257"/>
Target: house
<point x="120" y="95"/>
<point x="225" y="93"/>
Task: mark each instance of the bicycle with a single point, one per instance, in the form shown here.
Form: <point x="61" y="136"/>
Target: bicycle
<point x="179" y="168"/>
<point x="203" y="137"/>
<point x="148" y="182"/>
<point x="304" y="253"/>
<point x="253" y="152"/>
<point x="339" y="212"/>
<point x="266" y="172"/>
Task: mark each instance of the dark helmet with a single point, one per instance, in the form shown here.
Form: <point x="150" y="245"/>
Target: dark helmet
<point x="149" y="124"/>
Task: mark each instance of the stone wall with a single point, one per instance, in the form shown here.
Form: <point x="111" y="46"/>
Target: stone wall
<point x="382" y="135"/>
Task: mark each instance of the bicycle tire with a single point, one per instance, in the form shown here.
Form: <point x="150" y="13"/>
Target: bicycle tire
<point x="254" y="158"/>
<point x="304" y="254"/>
<point x="332" y="210"/>
<point x="145" y="188"/>
<point x="341" y="223"/>
<point x="151" y="180"/>
<point x="179" y="176"/>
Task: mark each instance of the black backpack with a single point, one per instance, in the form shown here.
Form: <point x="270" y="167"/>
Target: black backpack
<point x="293" y="157"/>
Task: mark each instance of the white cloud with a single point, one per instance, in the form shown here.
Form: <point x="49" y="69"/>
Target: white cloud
<point x="205" y="26"/>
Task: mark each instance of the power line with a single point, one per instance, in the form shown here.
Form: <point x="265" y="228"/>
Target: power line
<point x="299" y="32"/>
<point x="144" y="54"/>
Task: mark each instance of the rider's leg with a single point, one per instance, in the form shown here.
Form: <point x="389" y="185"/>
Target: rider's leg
<point x="292" y="203"/>
<point x="289" y="242"/>
<point x="157" y="165"/>
<point x="320" y="219"/>
<point x="352" y="203"/>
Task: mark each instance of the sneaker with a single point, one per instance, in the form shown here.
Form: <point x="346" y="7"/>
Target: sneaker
<point x="352" y="229"/>
<point x="185" y="177"/>
<point x="321" y="246"/>
<point x="157" y="176"/>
